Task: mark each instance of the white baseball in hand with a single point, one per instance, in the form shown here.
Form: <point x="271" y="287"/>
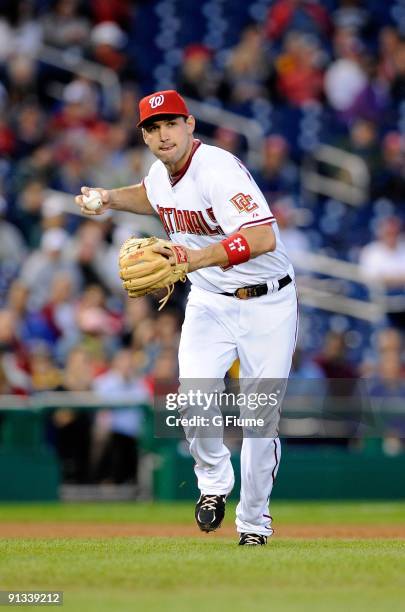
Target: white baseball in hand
<point x="93" y="201"/>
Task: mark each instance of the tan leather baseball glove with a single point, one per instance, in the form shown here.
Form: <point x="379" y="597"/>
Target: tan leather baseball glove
<point x="143" y="271"/>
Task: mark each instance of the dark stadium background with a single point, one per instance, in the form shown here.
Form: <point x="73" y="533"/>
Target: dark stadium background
<point x="311" y="96"/>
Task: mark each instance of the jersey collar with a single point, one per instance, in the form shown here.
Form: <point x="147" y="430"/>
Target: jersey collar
<point x="177" y="176"/>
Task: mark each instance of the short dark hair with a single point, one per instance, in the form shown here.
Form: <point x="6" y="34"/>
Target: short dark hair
<point x="164" y="117"/>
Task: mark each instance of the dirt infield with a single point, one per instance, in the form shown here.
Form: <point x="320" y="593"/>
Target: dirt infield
<point x="108" y="530"/>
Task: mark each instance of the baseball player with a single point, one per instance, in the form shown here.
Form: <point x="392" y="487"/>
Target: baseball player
<point x="242" y="302"/>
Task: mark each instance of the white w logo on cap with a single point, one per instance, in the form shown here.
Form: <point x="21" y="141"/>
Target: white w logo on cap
<point x="156" y="101"/>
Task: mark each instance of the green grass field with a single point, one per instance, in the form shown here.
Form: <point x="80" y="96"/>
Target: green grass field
<point x="148" y="574"/>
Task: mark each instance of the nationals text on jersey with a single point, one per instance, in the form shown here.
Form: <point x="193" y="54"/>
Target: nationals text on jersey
<point x="202" y="223"/>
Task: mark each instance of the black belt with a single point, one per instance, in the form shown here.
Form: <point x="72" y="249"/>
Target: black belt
<point x="245" y="293"/>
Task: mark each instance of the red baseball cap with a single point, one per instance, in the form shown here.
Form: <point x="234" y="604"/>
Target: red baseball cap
<point x="167" y="102"/>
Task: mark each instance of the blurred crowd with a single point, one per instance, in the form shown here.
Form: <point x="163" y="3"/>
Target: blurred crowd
<point x="65" y="322"/>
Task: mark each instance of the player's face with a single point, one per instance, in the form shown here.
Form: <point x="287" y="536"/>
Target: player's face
<point x="170" y="140"/>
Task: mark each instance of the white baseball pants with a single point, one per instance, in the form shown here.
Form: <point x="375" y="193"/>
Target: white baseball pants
<point x="261" y="332"/>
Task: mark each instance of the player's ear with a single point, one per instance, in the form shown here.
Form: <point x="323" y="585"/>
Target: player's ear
<point x="190" y="122"/>
<point x="144" y="134"/>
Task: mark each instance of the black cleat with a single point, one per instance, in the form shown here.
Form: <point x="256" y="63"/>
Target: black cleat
<point x="210" y="511"/>
<point x="252" y="539"/>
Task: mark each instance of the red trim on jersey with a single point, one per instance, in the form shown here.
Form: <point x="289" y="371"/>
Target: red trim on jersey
<point x="265" y="221"/>
<point x="177" y="176"/>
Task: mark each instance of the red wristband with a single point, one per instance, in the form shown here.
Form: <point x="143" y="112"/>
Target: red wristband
<point x="180" y="253"/>
<point x="237" y="248"/>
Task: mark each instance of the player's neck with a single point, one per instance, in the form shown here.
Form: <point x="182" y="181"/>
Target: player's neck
<point x="176" y="168"/>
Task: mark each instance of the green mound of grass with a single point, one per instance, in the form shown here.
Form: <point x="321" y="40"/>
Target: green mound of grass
<point x="189" y="574"/>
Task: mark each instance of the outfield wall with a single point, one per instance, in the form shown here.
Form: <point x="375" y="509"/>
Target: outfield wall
<point x="305" y="473"/>
<point x="30" y="470"/>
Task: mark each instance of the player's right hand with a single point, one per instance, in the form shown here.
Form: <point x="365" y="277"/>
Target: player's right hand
<point x="105" y="197"/>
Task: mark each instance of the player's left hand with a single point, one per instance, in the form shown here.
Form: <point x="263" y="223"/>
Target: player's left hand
<point x="168" y="253"/>
<point x="145" y="269"/>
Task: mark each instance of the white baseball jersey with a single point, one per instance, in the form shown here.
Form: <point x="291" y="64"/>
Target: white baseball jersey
<point x="215" y="196"/>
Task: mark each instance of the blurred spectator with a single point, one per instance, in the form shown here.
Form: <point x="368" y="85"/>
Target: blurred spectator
<point x="92" y="158"/>
<point x="278" y="175"/>
<point x="134" y="167"/>
<point x="372" y="100"/>
<point x="92" y="315"/>
<point x="108" y="48"/>
<point x="120" y="428"/>
<point x="351" y="15"/>
<point x="29" y="130"/>
<point x="398" y="81"/>
<point x="17" y="298"/>
<point x="128" y="114"/>
<point x="111" y="279"/>
<point x="299" y="70"/>
<point x="227" y="139"/>
<point x="64" y="27"/>
<point x="196" y="78"/>
<point x="168" y="329"/>
<point x="71" y="428"/>
<point x="304" y="367"/>
<point x="53" y="211"/>
<point x="163" y="377"/>
<point x="38" y="167"/>
<point x="42" y="266"/>
<point x="363" y="141"/>
<point x="389" y="42"/>
<point x="22" y="80"/>
<point x="78" y="115"/>
<point x="45" y="375"/>
<point x="387" y="341"/>
<point x="383" y="262"/>
<point x="6" y="39"/>
<point x="110" y="161"/>
<point x="294" y="239"/>
<point x="28" y="212"/>
<point x="345" y="77"/>
<point x="247" y="71"/>
<point x="341" y="406"/>
<point x="60" y="314"/>
<point x="12" y="245"/>
<point x="88" y="250"/>
<point x="300" y="15"/>
<point x="135" y="312"/>
<point x="144" y="339"/>
<point x="332" y="360"/>
<point x="389" y="180"/>
<point x="387" y="392"/>
<point x="97" y="325"/>
<point x="13" y="356"/>
<point x="32" y="325"/>
<point x="71" y="173"/>
<point x="27" y="29"/>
